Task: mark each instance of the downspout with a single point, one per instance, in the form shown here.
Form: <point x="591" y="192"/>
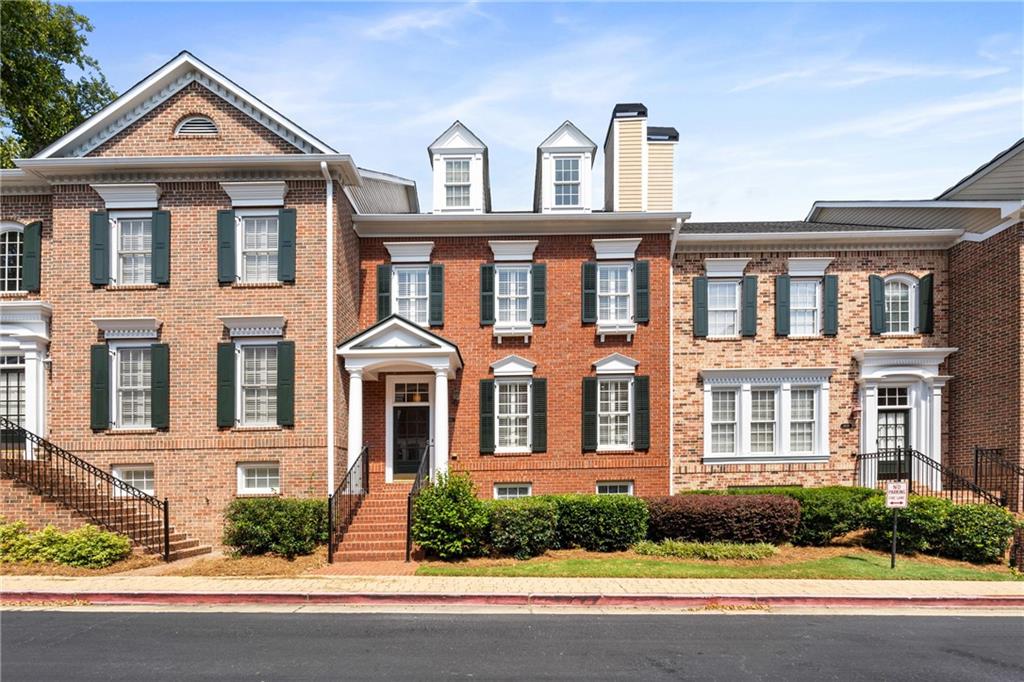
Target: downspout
<point x="672" y="356"/>
<point x="331" y="358"/>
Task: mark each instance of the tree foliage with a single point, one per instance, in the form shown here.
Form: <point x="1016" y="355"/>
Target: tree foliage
<point x="39" y="101"/>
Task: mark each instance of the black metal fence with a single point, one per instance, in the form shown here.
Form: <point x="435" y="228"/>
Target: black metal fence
<point x="344" y="502"/>
<point x="924" y="476"/>
<point x="93" y="493"/>
<point x="422" y="478"/>
<point x="991" y="470"/>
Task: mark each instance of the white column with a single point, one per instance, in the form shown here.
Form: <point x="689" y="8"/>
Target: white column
<point x="869" y="433"/>
<point x="35" y="400"/>
<point x="936" y="423"/>
<point x="355" y="415"/>
<point x="440" y="464"/>
<point x="783" y="417"/>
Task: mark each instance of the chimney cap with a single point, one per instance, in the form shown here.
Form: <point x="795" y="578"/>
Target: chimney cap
<point x="629" y="110"/>
<point x="662" y="134"/>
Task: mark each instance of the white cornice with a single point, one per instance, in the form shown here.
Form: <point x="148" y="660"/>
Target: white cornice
<point x="733" y="377"/>
<point x="25" y="311"/>
<point x="409" y="252"/>
<point x="127" y="327"/>
<point x="880" y="363"/>
<point x="725" y="267"/>
<point x="513" y="250"/>
<point x="265" y="193"/>
<point x="520" y="224"/>
<point x="615" y="249"/>
<point x="129" y="195"/>
<point x="253" y="325"/>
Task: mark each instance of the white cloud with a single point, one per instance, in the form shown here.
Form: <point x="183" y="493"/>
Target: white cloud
<point x="433" y="21"/>
<point x="835" y="73"/>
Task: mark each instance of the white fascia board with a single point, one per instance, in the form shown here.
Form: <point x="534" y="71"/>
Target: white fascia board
<point x="922" y="238"/>
<point x="1006" y="208"/>
<point x="386" y="177"/>
<point x="778" y="375"/>
<point x="503" y="224"/>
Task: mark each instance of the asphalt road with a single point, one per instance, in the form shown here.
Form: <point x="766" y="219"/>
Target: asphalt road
<point x="271" y="646"/>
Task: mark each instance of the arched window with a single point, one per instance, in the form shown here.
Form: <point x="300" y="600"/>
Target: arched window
<point x="196" y="125"/>
<point x="12" y="248"/>
<point x="900" y="304"/>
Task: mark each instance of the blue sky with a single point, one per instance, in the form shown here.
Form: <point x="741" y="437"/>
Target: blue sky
<point x="777" y="104"/>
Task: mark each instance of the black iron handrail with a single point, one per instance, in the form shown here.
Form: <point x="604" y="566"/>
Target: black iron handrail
<point x="422" y="476"/>
<point x="924" y="476"/>
<point x="991" y="470"/>
<point x="88" y="490"/>
<point x="344" y="502"/>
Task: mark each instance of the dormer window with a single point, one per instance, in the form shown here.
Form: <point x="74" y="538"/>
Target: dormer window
<point x="567" y="181"/>
<point x="456" y="183"/>
<point x="196" y="125"/>
<point x="564" y="162"/>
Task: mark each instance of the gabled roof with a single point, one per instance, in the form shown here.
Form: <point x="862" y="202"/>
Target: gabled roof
<point x="394" y="340"/>
<point x="457" y="138"/>
<point x="1013" y="152"/>
<point x="567" y="137"/>
<point x="160" y="85"/>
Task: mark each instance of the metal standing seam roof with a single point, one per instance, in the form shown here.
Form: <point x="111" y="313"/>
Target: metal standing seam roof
<point x="754" y="227"/>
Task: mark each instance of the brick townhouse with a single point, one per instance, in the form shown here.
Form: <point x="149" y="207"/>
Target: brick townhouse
<point x="203" y="300"/>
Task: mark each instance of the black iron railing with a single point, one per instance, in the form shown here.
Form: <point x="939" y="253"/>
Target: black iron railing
<point x="422" y="478"/>
<point x="344" y="502"/>
<point x="991" y="470"/>
<point x="924" y="476"/>
<point x="93" y="493"/>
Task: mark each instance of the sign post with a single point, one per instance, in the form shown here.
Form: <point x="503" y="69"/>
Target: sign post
<point x="895" y="499"/>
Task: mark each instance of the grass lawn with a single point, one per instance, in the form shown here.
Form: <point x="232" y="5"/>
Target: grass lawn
<point x="829" y="563"/>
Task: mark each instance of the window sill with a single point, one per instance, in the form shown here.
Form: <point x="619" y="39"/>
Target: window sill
<point x="626" y="329"/>
<point x="13" y="294"/>
<point x="256" y="493"/>
<point x="132" y="287"/>
<point x="128" y="432"/>
<point x="524" y="332"/>
<point x="266" y="427"/>
<point x="765" y="459"/>
<point x="513" y="452"/>
<point x="737" y="337"/>
<point x="256" y="285"/>
<point x="805" y="337"/>
<point x="900" y="335"/>
<point x="616" y="451"/>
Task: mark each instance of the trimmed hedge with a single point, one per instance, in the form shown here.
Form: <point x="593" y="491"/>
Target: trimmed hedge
<point x="287" y="527"/>
<point x="86" y="547"/>
<point x="522" y="528"/>
<point x="980" y="533"/>
<point x="448" y="519"/>
<point x="600" y="523"/>
<point x="709" y="551"/>
<point x="731" y="518"/>
<point x="825" y="513"/>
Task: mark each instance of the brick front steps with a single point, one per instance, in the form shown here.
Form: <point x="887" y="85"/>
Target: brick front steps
<point x="378" y="531"/>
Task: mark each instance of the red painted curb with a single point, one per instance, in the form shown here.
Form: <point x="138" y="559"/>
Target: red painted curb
<point x="576" y="600"/>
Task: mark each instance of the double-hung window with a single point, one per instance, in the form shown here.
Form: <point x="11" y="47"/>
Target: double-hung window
<point x="802" y="416"/>
<point x="456" y="183"/>
<point x="614" y="413"/>
<point x="899" y="305"/>
<point x="567" y="181"/>
<point x="257" y="390"/>
<point x="763" y="417"/>
<point x="614" y="293"/>
<point x="723" y="308"/>
<point x="12" y="248"/>
<point x="512" y="415"/>
<point x="805" y="307"/>
<point x="131" y="371"/>
<point x="723" y="422"/>
<point x="132" y="255"/>
<point x="411" y="293"/>
<point x="512" y="296"/>
<point x="259" y="234"/>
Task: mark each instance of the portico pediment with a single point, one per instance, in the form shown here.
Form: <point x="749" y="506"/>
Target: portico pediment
<point x="397" y="343"/>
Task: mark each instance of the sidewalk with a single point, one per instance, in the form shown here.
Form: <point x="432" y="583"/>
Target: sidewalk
<point x="431" y="590"/>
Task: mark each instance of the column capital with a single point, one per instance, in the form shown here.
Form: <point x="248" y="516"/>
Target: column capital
<point x="441" y="372"/>
<point x="356" y="373"/>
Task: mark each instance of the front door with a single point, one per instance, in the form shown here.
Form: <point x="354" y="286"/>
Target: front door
<point x="412" y="433"/>
<point x="893" y="431"/>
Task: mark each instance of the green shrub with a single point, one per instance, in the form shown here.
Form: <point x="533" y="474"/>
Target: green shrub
<point x="286" y="527"/>
<point x="922" y="525"/>
<point x="730" y="518"/>
<point x="711" y="551"/>
<point x="600" y="523"/>
<point x="978" y="532"/>
<point x="825" y="513"/>
<point x="448" y="519"/>
<point x="86" y="547"/>
<point x="522" y="528"/>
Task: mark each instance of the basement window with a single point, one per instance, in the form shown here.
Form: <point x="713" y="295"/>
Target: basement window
<point x="259" y="478"/>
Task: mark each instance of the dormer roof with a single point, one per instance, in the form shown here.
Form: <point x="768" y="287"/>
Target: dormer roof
<point x="567" y="137"/>
<point x="458" y="139"/>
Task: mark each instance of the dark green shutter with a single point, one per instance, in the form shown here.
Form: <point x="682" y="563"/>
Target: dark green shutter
<point x="487" y="294"/>
<point x="700" y="306"/>
<point x="539" y="415"/>
<point x="641" y="413"/>
<point x="782" y="305"/>
<point x="160" y="383"/>
<point x="589" y="430"/>
<point x="925" y="309"/>
<point x="225" y="384"/>
<point x="487" y="416"/>
<point x="539" y="293"/>
<point x="748" y="326"/>
<point x="830" y="322"/>
<point x="642" y="287"/>
<point x="99" y="245"/>
<point x="286" y="245"/>
<point x="589" y="292"/>
<point x="225" y="246"/>
<point x="436" y="304"/>
<point x="383" y="291"/>
<point x="161" y="272"/>
<point x="286" y="383"/>
<point x="100" y="387"/>
<point x="876" y="293"/>
<point x="31" y="256"/>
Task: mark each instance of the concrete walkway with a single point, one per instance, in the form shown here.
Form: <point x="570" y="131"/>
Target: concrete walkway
<point x="336" y="589"/>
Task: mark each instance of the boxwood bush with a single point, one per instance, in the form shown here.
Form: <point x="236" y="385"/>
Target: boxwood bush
<point x="825" y="513"/>
<point x="86" y="547"/>
<point x="449" y="521"/>
<point x="287" y="527"/>
<point x="600" y="523"/>
<point x="730" y="518"/>
<point x="522" y="528"/>
<point x="709" y="551"/>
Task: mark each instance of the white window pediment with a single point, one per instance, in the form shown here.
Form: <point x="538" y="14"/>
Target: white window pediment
<point x="519" y="250"/>
<point x="725" y="267"/>
<point x="256" y="194"/>
<point x="808" y="267"/>
<point x="616" y="363"/>
<point x="409" y="252"/>
<point x="127" y="327"/>
<point x="134" y="195"/>
<point x="253" y="325"/>
<point x="616" y="249"/>
<point x="513" y="366"/>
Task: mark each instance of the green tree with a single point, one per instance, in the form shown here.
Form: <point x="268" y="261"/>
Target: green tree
<point x="40" y="43"/>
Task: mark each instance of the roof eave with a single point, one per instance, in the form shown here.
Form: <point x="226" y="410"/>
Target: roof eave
<point x="941" y="238"/>
<point x="525" y="224"/>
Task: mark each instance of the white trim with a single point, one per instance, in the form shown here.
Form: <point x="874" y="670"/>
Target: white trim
<point x="819" y="307"/>
<point x="808" y="267"/>
<point x="409" y="252"/>
<point x="399" y="344"/>
<point x="240" y="468"/>
<point x="982" y="236"/>
<point x="129" y="195"/>
<point x="118" y="471"/>
<point x="500" y="328"/>
<point x="515" y="250"/>
<point x="507" y="380"/>
<point x="598" y="484"/>
<point x="128" y="327"/>
<point x="411" y="267"/>
<point x="913" y="291"/>
<point x="114" y="219"/>
<point x="240" y="250"/>
<point x="240" y="344"/>
<point x="619" y="326"/>
<point x="24" y="330"/>
<point x="197" y="118"/>
<point x="114" y="349"/>
<point x="528" y="486"/>
<point x="616" y="363"/>
<point x="629" y="446"/>
<point x="725" y="267"/>
<point x="616" y="249"/>
<point x="253" y="325"/>
<point x="521" y="224"/>
<point x="261" y="194"/>
<point x="513" y="366"/>
<point x="389" y="418"/>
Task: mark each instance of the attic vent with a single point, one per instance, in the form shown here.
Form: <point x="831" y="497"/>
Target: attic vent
<point x="196" y="125"/>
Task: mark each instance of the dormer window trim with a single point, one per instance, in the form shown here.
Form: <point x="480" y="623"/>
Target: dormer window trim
<point x="467" y="183"/>
<point x="566" y="183"/>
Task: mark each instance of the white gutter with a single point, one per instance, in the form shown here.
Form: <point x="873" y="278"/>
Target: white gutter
<point x="917" y="236"/>
<point x="671" y="356"/>
<point x="331" y="358"/>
